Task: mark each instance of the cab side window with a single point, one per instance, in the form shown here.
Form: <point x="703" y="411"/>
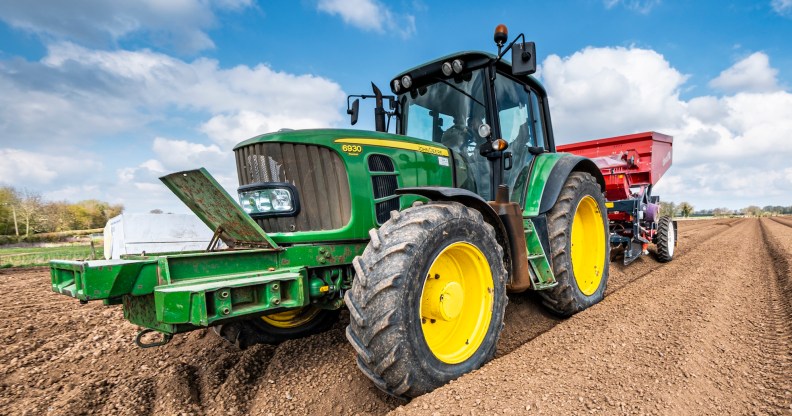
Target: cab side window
<point x="519" y="112"/>
<point x="520" y="122"/>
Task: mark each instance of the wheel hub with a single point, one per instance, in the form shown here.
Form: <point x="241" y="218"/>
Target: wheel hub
<point x="444" y="299"/>
<point x="588" y="246"/>
<point x="456" y="302"/>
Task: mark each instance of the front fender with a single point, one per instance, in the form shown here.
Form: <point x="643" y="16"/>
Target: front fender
<point x="468" y="199"/>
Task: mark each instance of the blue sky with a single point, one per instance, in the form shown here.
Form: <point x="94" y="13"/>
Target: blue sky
<point x="100" y="98"/>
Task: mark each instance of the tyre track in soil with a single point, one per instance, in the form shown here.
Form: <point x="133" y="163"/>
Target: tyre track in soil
<point x="782" y="220"/>
<point x="708" y="333"/>
<point x="63" y="358"/>
<point x="526" y="318"/>
<point x="778" y="241"/>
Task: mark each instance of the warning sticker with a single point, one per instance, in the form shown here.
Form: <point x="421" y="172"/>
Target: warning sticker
<point x="443" y="160"/>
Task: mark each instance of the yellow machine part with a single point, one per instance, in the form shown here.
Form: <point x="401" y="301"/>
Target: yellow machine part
<point x="293" y="318"/>
<point x="588" y="245"/>
<point x="456" y="302"/>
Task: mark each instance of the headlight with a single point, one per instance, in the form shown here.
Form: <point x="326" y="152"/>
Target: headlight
<point x="458" y="66"/>
<point x="269" y="199"/>
<point x="446" y="68"/>
<point x="406" y="82"/>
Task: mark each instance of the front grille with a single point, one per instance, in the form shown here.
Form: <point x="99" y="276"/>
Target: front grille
<point x="318" y="174"/>
<point x="384" y="208"/>
<point x="380" y="163"/>
<point x="383" y="186"/>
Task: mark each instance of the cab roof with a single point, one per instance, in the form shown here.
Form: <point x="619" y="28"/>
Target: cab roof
<point x="471" y="59"/>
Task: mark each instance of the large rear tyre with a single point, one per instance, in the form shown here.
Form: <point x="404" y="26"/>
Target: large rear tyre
<point x="275" y="328"/>
<point x="428" y="298"/>
<point x="579" y="248"/>
<point x="665" y="240"/>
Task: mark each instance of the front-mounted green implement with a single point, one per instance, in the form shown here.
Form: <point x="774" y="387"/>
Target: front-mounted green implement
<point x="419" y="234"/>
<point x="179" y="292"/>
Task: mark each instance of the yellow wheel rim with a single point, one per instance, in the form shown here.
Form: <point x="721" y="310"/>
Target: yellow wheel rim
<point x="292" y="318"/>
<point x="588" y="245"/>
<point x="456" y="303"/>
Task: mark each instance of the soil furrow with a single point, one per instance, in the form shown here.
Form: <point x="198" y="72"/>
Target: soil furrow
<point x="704" y="333"/>
<point x="784" y="221"/>
<point x="526" y="319"/>
<point x="691" y="338"/>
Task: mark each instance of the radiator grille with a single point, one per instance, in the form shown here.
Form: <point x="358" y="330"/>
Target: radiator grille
<point x="318" y="174"/>
<point x="380" y="163"/>
<point x="383" y="186"/>
<point x="384" y="208"/>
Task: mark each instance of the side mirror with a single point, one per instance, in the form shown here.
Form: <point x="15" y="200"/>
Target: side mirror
<point x="353" y="112"/>
<point x="524" y="58"/>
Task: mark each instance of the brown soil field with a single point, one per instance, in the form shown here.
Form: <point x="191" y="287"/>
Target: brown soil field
<point x="708" y="333"/>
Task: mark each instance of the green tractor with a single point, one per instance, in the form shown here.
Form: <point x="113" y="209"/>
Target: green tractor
<point x="420" y="234"/>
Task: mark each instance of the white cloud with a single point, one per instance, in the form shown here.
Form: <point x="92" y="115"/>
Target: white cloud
<point x="173" y="156"/>
<point x="179" y="24"/>
<point x="729" y="151"/>
<point x="143" y="180"/>
<point x="752" y="74"/>
<point x="178" y="155"/>
<point x="34" y="96"/>
<point x="92" y="94"/>
<point x="782" y="7"/>
<point x="640" y="6"/>
<point x="229" y="129"/>
<point x="69" y="192"/>
<point x="370" y="15"/>
<point x="36" y="168"/>
<point x="181" y="154"/>
<point x="633" y="89"/>
<point x="126" y="103"/>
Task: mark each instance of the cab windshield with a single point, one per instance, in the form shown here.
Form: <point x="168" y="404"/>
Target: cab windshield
<point x="450" y="112"/>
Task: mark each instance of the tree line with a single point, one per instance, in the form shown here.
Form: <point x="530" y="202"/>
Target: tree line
<point x="24" y="212"/>
<point x="684" y="209"/>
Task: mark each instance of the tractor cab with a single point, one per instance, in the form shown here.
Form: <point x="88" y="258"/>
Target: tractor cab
<point x="493" y="122"/>
<point x="491" y="114"/>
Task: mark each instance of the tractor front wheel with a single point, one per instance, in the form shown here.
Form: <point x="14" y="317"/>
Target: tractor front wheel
<point x="428" y="298"/>
<point x="579" y="249"/>
<point x="665" y="239"/>
<point x="275" y="328"/>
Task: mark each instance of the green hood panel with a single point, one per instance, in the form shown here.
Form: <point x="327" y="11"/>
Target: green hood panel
<point x="328" y="136"/>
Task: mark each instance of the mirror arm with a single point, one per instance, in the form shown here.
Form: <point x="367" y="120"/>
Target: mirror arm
<point x="506" y="49"/>
<point x="379" y="108"/>
<point x="503" y="52"/>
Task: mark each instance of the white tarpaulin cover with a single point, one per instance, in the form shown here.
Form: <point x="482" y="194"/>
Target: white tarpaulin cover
<point x="154" y="233"/>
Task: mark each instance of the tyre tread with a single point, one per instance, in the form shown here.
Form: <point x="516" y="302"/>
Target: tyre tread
<point x="561" y="299"/>
<point x="376" y="325"/>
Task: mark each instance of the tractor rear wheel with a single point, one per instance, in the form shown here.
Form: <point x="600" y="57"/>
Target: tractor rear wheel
<point x="428" y="298"/>
<point x="665" y="240"/>
<point x="278" y="327"/>
<point x="579" y="249"/>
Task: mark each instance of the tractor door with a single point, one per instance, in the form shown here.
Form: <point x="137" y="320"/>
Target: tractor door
<point x="521" y="124"/>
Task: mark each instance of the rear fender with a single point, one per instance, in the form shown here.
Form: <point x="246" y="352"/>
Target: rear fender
<point x="548" y="174"/>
